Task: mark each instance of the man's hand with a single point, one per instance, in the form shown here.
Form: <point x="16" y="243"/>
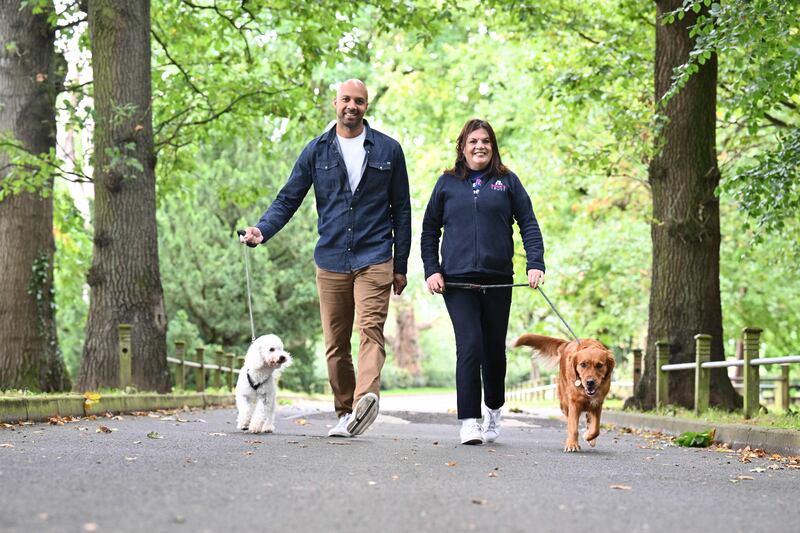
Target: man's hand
<point x="399" y="283"/>
<point x="252" y="236"/>
<point x="435" y="283"/>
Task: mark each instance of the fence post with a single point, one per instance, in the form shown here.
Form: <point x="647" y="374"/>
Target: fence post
<point x="662" y="381"/>
<point x="124" y="355"/>
<point x="200" y="374"/>
<point x="218" y="374"/>
<point x="750" y="340"/>
<point x="180" y="372"/>
<point x="637" y="368"/>
<point x="230" y="357"/>
<point x="702" y="376"/>
<point x="782" y="390"/>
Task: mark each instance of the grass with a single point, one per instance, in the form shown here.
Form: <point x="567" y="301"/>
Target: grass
<point x="788" y="420"/>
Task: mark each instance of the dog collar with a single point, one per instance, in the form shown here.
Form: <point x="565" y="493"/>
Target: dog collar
<point x="253" y="383"/>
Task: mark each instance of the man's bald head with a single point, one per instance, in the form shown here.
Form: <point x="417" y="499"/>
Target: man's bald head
<point x="351" y="104"/>
<point x="352" y="86"/>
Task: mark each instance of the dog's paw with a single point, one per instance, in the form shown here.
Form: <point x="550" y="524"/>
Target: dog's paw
<point x="571" y="446"/>
<point x="254" y="429"/>
<point x="268" y="428"/>
<point x="590" y="438"/>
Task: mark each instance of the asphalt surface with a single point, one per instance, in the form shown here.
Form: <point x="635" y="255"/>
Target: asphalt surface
<point x="193" y="471"/>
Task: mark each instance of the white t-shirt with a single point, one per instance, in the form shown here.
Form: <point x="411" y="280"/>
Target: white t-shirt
<point x="353" y="154"/>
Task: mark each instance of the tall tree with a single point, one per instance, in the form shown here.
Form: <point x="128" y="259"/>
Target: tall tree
<point x="124" y="277"/>
<point x="685" y="231"/>
<point x="29" y="355"/>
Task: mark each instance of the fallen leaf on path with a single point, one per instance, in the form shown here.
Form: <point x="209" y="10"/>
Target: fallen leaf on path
<point x="742" y="477"/>
<point x="775" y="467"/>
<point x="452" y="463"/>
<point x="619" y="487"/>
<point x="154" y="435"/>
<point x="90" y="527"/>
<point x="90" y="398"/>
<point x="492" y="474"/>
<point x="248" y="452"/>
<point x="103" y="429"/>
<point x="758" y="469"/>
<point x="6" y="445"/>
<point x="301" y="422"/>
<point x="339" y="443"/>
<point x="395" y="477"/>
<point x="371" y="483"/>
<point x="218" y="434"/>
<point x="478" y="501"/>
<point x="292" y="442"/>
<point x="130" y="458"/>
<point x="253" y="441"/>
<point x="7" y="426"/>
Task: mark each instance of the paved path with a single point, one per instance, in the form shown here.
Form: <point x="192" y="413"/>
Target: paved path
<point x="407" y="473"/>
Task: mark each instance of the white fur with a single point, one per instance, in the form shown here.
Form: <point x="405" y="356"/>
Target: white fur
<point x="262" y="362"/>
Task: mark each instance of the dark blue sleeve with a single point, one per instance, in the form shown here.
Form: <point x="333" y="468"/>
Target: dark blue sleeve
<point x="290" y="196"/>
<point x="432" y="232"/>
<point x="528" y="225"/>
<point x="400" y="201"/>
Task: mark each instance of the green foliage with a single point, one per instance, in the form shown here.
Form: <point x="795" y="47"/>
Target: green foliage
<point x="694" y="439"/>
<point x="205" y="286"/>
<point x="72" y="260"/>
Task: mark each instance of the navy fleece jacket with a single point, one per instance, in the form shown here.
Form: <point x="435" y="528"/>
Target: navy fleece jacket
<point x="478" y="235"/>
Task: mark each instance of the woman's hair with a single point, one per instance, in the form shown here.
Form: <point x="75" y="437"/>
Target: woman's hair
<point x="460" y="169"/>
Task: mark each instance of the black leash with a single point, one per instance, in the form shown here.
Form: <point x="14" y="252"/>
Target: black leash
<point x="482" y="288"/>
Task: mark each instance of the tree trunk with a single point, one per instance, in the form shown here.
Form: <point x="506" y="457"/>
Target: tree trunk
<point x="684" y="296"/>
<point x="29" y="354"/>
<point x="405" y="341"/>
<point x="124" y="278"/>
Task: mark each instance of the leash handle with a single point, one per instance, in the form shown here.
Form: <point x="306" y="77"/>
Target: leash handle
<point x="246" y="254"/>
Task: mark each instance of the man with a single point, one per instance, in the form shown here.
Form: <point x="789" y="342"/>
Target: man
<point x="361" y="188"/>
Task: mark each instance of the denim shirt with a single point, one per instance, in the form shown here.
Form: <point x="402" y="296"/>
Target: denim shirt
<point x="356" y="228"/>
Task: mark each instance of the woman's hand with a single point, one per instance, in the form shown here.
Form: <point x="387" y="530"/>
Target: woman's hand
<point x="435" y="283"/>
<point x="535" y="277"/>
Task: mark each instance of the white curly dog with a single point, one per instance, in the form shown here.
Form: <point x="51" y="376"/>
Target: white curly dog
<point x="257" y="387"/>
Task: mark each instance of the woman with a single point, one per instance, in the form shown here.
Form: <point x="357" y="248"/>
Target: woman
<point x="476" y="202"/>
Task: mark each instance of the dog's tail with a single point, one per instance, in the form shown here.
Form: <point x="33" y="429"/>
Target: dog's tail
<point x="547" y="348"/>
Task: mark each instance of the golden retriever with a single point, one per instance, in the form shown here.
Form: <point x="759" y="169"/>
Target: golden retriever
<point x="585" y="368"/>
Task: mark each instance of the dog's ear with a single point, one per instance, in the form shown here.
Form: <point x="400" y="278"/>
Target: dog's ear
<point x="610" y="364"/>
<point x="569" y="354"/>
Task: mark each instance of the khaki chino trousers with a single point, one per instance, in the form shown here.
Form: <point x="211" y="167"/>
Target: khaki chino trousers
<point x="361" y="296"/>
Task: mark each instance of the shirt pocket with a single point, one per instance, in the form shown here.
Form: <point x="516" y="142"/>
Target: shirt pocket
<point x="379" y="173"/>
<point x="327" y="175"/>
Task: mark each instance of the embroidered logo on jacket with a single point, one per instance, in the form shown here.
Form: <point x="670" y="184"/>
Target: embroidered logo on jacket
<point x="498" y="186"/>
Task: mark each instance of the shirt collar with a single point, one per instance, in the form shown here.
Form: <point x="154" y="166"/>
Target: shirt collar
<point x="368" y="137"/>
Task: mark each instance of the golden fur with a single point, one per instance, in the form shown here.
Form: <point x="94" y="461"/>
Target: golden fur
<point x="587" y="360"/>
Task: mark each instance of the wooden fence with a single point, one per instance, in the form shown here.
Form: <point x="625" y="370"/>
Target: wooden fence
<point x="751" y="364"/>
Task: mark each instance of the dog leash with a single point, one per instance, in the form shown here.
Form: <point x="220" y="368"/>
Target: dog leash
<point x="482" y="288"/>
<point x="246" y="254"/>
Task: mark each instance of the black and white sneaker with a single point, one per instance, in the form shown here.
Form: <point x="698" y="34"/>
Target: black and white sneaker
<point x="364" y="414"/>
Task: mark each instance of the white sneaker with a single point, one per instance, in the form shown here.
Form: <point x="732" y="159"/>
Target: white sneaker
<point x="364" y="414"/>
<point x="470" y="431"/>
<point x="491" y="424"/>
<point x="340" y="429"/>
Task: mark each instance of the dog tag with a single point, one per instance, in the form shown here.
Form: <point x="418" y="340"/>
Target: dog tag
<point x="577" y="383"/>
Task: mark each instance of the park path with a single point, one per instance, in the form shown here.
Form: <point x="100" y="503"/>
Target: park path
<point x="192" y="471"/>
